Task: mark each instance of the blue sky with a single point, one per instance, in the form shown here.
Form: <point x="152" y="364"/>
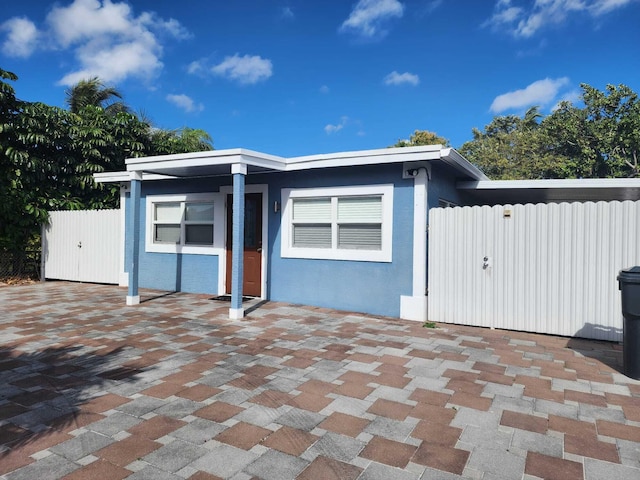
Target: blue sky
<point x="298" y="77"/>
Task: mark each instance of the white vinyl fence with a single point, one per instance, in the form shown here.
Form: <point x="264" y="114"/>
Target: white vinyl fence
<point x="83" y="245"/>
<point x="546" y="268"/>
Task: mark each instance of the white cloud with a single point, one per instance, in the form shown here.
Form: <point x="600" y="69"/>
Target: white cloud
<point x="22" y="37"/>
<point x="541" y="92"/>
<point x="526" y="21"/>
<point x="324" y="89"/>
<point x="185" y="102"/>
<point x="369" y="16"/>
<point x="329" y="128"/>
<point x="287" y="13"/>
<point x="246" y="70"/>
<point x="406" y="78"/>
<point x="106" y="38"/>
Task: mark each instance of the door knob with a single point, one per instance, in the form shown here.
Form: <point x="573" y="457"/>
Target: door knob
<point x="259" y="250"/>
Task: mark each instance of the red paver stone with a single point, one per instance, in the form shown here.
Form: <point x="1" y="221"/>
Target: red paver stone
<point x="10" y="433"/>
<point x="104" y="403"/>
<point x="271" y="398"/>
<point x="490" y="368"/>
<point x="98" y="469"/>
<point x="317" y="387"/>
<point x="354" y="390"/>
<point x="243" y="435"/>
<point x="125" y="451"/>
<point x="299" y="362"/>
<point x="309" y="401"/>
<point x="156" y="427"/>
<point x="632" y="413"/>
<point x="441" y="457"/>
<point x="392" y="380"/>
<point x="389" y="452"/>
<point x="618" y="430"/>
<point x="524" y="421"/>
<point x="345" y="424"/>
<point x="465" y="399"/>
<point x="590" y="447"/>
<point x="248" y="382"/>
<point x="552" y="468"/>
<point x="290" y="440"/>
<point x="182" y="377"/>
<point x="432" y="413"/>
<point x="329" y="469"/>
<point x="572" y="427"/>
<point x="582" y="397"/>
<point x="199" y="392"/>
<point x="437" y="433"/>
<point x="390" y="409"/>
<point x="432" y="398"/>
<point x="461" y="385"/>
<point x="218" y="411"/>
<point x="163" y="390"/>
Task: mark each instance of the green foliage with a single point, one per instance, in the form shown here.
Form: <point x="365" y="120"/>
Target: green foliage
<point x="48" y="155"/>
<point x="422" y="137"/>
<point x="601" y="139"/>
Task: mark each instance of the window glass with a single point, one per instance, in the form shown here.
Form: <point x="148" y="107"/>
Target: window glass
<point x="360" y="209"/>
<point x="195" y="212"/>
<point x="167" y="212"/>
<point x="312" y="210"/>
<point x="310" y="235"/>
<point x="166" y="233"/>
<point x="198" y="234"/>
<point x="360" y="236"/>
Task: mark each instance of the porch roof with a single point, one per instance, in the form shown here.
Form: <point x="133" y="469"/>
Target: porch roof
<point x="218" y="162"/>
<point x="492" y="192"/>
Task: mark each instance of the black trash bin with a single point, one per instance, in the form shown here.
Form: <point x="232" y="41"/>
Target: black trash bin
<point x="629" y="284"/>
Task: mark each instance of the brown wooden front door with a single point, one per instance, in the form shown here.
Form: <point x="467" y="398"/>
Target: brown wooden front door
<point x="252" y="284"/>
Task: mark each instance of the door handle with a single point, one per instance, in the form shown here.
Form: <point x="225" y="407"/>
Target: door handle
<point x="259" y="249"/>
<point x="79" y="244"/>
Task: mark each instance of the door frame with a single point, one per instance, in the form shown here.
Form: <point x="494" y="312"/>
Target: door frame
<point x="222" y="273"/>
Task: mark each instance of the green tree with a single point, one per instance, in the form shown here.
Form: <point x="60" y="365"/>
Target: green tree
<point x="93" y="92"/>
<point x="599" y="139"/>
<point x="423" y="137"/>
<point x="48" y="155"/>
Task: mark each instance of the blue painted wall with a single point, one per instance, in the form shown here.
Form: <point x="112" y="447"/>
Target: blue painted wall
<point x="371" y="287"/>
<point x="168" y="271"/>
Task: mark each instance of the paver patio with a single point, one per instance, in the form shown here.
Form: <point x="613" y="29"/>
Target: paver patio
<point x="173" y="389"/>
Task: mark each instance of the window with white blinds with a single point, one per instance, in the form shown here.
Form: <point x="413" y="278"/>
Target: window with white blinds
<point x="182" y="223"/>
<point x="350" y="223"/>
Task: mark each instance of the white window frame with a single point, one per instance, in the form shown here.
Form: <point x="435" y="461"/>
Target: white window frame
<point x="218" y="224"/>
<point x="334" y="253"/>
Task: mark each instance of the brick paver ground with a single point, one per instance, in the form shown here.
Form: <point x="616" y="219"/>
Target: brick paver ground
<point x="173" y="389"/>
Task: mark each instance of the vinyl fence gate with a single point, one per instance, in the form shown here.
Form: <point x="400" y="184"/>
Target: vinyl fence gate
<point x="546" y="268"/>
<point x="83" y="246"/>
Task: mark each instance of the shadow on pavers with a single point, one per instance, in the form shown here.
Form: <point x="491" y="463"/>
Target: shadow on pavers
<point x="47" y="392"/>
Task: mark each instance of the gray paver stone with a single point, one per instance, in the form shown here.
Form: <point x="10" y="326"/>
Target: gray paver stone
<point x="275" y="465"/>
<point x="300" y="419"/>
<point x="82" y="445"/>
<point x="224" y="461"/>
<point x="597" y="469"/>
<point x="153" y="473"/>
<point x="391" y="429"/>
<point x="378" y="471"/>
<point x="175" y="455"/>
<point x="179" y="408"/>
<point x="199" y="431"/>
<point x="114" y="423"/>
<point x="141" y="406"/>
<point x="537" y="442"/>
<point x="333" y="445"/>
<point x="52" y="467"/>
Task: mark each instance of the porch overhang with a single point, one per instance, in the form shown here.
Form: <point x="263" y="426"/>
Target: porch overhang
<point x="496" y="192"/>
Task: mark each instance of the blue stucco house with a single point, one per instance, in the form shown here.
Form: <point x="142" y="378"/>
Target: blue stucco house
<point x="345" y="230"/>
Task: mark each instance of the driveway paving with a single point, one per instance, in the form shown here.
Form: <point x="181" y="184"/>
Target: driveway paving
<point x="172" y="388"/>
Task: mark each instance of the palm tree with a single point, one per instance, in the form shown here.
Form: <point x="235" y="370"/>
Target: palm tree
<point x="94" y="92"/>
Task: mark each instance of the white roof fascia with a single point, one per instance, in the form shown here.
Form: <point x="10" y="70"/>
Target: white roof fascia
<point x="365" y="157"/>
<point x="114" y="177"/>
<point x="208" y="158"/>
<point x="551" y="184"/>
<point x="453" y="158"/>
